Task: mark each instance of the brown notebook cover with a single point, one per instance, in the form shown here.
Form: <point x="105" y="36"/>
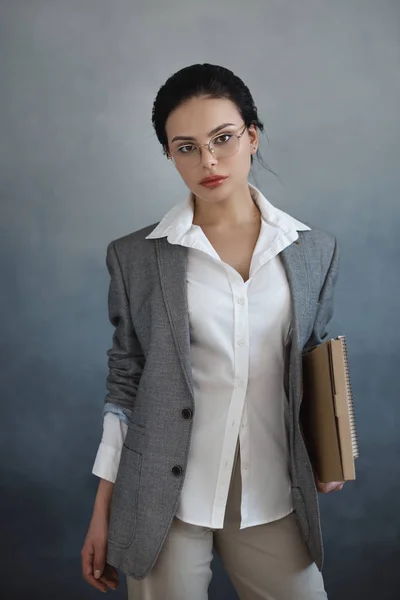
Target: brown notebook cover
<point x="327" y="412"/>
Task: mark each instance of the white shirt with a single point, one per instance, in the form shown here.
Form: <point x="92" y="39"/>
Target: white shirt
<point x="238" y="332"/>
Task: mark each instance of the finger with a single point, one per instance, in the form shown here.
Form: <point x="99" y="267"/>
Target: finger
<point x="110" y="574"/>
<point x="325" y="488"/>
<point x="335" y="486"/>
<point x="110" y="570"/>
<point x="87" y="560"/>
<point x="113" y="571"/>
<point x="99" y="585"/>
<point x="111" y="583"/>
<point x="87" y="569"/>
<point x="99" y="560"/>
<point x="110" y="577"/>
<point x="331" y="487"/>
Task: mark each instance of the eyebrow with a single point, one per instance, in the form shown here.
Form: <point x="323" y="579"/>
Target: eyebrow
<point x="211" y="133"/>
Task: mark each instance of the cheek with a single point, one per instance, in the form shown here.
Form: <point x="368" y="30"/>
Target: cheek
<point x="190" y="176"/>
<point x="240" y="164"/>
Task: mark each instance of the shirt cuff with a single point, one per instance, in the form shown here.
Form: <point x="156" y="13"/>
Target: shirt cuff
<point x="109" y="452"/>
<point x="107" y="462"/>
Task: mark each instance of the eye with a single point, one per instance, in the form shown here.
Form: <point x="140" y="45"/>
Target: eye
<point x="186" y="149"/>
<point x="223" y="138"/>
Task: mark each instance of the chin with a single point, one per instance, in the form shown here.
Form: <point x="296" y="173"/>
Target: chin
<point x="212" y="195"/>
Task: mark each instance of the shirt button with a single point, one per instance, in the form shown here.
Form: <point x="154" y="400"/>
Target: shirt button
<point x="241" y="301"/>
<point x="241" y="384"/>
<point x="241" y="342"/>
<point x="246" y="466"/>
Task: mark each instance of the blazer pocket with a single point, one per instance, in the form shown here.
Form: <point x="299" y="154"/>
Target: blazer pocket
<point x="136" y="427"/>
<point x="124" y="503"/>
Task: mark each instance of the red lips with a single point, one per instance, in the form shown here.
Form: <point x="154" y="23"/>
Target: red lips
<point x="213" y="178"/>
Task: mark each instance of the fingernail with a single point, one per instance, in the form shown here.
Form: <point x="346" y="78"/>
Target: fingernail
<point x="97" y="574"/>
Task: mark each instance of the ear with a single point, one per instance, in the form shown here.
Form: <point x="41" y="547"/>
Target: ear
<point x="253" y="137"/>
<point x="167" y="152"/>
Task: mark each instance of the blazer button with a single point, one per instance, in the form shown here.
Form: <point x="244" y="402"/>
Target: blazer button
<point x="187" y="413"/>
<point x="177" y="471"/>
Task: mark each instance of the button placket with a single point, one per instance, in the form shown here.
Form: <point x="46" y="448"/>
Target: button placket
<point x="241" y="328"/>
<point x="241" y="352"/>
<point x="241" y="359"/>
<point x="241" y="316"/>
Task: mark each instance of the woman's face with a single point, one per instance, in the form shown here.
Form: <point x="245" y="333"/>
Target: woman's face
<point x="196" y="119"/>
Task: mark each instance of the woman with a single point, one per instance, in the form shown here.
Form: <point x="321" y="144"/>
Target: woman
<point x="212" y="309"/>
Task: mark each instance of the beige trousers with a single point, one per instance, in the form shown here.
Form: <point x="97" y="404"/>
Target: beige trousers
<point x="265" y="562"/>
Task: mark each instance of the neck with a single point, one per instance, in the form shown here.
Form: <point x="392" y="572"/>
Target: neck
<point x="235" y="210"/>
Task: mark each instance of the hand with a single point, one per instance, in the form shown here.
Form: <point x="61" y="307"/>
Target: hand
<point x="325" y="488"/>
<point x="95" y="570"/>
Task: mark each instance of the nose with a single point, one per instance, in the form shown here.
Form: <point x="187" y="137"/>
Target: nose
<point x="207" y="157"/>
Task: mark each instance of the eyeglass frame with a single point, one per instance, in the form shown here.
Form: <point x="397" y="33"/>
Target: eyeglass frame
<point x="198" y="146"/>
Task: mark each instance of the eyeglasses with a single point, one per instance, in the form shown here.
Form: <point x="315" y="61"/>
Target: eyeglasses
<point x="221" y="145"/>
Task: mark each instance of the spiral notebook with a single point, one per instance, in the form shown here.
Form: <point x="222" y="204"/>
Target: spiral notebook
<point x="327" y="413"/>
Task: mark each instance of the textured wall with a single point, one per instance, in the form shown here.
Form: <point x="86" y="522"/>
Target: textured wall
<point x="80" y="165"/>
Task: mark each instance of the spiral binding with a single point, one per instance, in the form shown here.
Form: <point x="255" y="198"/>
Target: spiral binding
<point x="349" y="395"/>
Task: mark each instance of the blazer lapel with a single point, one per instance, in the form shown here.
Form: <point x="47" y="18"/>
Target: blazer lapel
<point x="172" y="264"/>
<point x="295" y="264"/>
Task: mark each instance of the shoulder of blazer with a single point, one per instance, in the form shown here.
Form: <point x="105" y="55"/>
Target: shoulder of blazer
<point x="133" y="241"/>
<point x="134" y="253"/>
<point x="318" y="242"/>
<point x="320" y="251"/>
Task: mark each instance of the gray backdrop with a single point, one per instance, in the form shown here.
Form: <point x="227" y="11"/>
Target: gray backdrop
<point x="80" y="166"/>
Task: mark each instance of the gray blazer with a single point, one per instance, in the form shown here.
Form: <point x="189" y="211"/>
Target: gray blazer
<point x="150" y="380"/>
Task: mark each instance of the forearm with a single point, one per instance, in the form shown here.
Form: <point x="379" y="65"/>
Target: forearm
<point x="102" y="502"/>
<point x="107" y="461"/>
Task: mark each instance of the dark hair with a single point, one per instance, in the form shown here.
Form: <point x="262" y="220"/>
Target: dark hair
<point x="208" y="80"/>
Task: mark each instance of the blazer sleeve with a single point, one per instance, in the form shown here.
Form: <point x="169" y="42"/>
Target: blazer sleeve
<point x="325" y="309"/>
<point x="125" y="357"/>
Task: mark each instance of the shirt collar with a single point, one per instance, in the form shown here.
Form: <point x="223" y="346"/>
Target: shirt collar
<point x="179" y="220"/>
